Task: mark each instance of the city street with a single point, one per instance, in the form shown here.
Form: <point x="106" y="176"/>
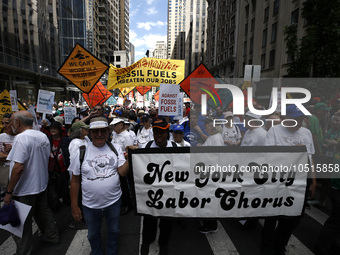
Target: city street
<point x="185" y="238"/>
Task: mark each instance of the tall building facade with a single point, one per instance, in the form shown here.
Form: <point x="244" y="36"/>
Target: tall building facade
<point x="222" y="37"/>
<point x="160" y="50"/>
<point x="92" y="27"/>
<point x="72" y="22"/>
<point x="196" y="36"/>
<point x="29" y="47"/>
<point x="124" y="22"/>
<point x="250" y="32"/>
<point x="186" y="31"/>
<point x="178" y="18"/>
<point x="261" y="32"/>
<point x="103" y="28"/>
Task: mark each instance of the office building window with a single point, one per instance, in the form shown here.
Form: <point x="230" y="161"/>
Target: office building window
<point x="274" y="32"/>
<point x="295" y="17"/>
<point x="276" y="7"/>
<point x="245" y="49"/>
<point x="266" y="14"/>
<point x="252" y="25"/>
<point x="251" y="46"/>
<point x="272" y="58"/>
<point x="253" y="6"/>
<point x="264" y="38"/>
<point x="263" y="61"/>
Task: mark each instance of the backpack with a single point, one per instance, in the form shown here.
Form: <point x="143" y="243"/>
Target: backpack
<point x="148" y="145"/>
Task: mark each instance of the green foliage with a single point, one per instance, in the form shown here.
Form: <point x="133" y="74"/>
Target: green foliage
<point x="318" y="52"/>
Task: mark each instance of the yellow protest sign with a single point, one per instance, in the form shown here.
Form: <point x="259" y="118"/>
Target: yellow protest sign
<point x="147" y="72"/>
<point x="82" y="69"/>
<point x="125" y="91"/>
<point x="5" y="105"/>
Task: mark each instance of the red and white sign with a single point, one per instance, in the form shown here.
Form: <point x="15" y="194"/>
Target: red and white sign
<point x="168" y="100"/>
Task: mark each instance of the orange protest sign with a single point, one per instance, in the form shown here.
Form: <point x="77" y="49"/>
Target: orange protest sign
<point x="125" y="91"/>
<point x="82" y="69"/>
<point x="98" y="95"/>
<point x="143" y="90"/>
<point x="198" y="82"/>
<point x="156" y="96"/>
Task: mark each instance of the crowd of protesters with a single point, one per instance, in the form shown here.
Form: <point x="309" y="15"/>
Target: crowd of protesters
<point x="107" y="131"/>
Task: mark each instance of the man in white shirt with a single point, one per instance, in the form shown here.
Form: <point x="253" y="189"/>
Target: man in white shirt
<point x="277" y="231"/>
<point x="255" y="135"/>
<point x="145" y="134"/>
<point x="6" y="141"/>
<point x="161" y="135"/>
<point x="178" y="136"/>
<point x="99" y="177"/>
<point x="123" y="138"/>
<point x="120" y="136"/>
<point x="28" y="180"/>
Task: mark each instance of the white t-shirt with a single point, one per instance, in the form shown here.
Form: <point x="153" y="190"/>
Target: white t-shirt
<point x="254" y="137"/>
<point x="123" y="139"/>
<point x="214" y="140"/>
<point x="144" y="136"/>
<point x="5" y="138"/>
<point x="99" y="175"/>
<point x="281" y="136"/>
<point x="232" y="134"/>
<point x="76" y="143"/>
<point x="133" y="136"/>
<point x="154" y="145"/>
<point x="32" y="148"/>
<point x="183" y="143"/>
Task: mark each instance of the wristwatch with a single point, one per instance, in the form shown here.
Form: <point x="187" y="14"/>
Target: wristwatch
<point x="7" y="192"/>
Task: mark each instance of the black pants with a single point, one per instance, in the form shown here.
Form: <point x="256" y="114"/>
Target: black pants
<point x="330" y="233"/>
<point x="150" y="230"/>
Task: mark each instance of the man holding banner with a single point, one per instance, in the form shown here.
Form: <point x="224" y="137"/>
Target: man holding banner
<point x="161" y="135"/>
<point x="277" y="231"/>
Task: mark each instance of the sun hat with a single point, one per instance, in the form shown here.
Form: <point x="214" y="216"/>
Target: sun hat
<point x="77" y="125"/>
<point x="116" y="121"/>
<point x="59" y="119"/>
<point x="99" y="122"/>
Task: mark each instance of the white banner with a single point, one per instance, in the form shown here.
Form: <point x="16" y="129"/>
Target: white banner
<point x="14" y="100"/>
<point x="45" y="101"/>
<point x="220" y="182"/>
<point x="69" y="114"/>
<point x="168" y="100"/>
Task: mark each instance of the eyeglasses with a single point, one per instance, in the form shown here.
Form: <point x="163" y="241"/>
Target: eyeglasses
<point x="144" y="121"/>
<point x="3" y="123"/>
